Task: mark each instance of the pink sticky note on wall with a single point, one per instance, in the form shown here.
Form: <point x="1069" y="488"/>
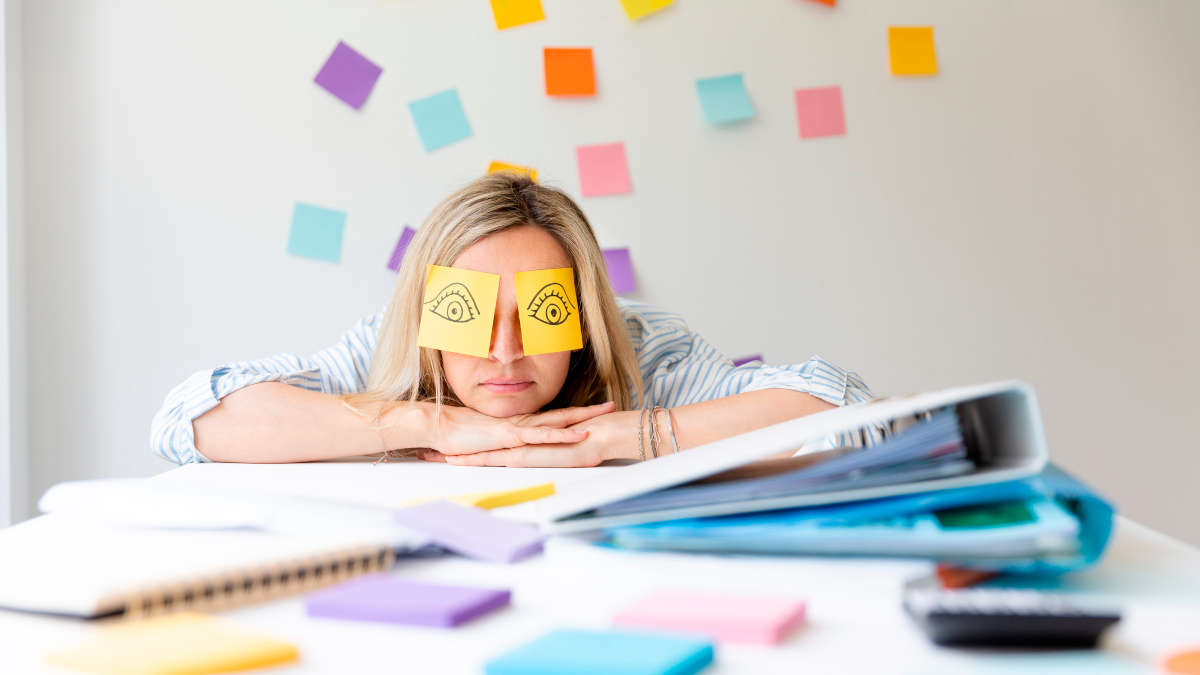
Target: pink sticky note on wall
<point x="603" y="170"/>
<point x="620" y="270"/>
<point x="819" y="112"/>
<point x="726" y="617"/>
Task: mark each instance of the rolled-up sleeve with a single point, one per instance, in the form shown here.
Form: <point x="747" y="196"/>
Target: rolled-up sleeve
<point x="339" y="369"/>
<point x="680" y="367"/>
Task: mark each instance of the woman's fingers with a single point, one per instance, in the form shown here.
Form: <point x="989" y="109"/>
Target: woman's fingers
<point x="565" y="417"/>
<point x="541" y="456"/>
<point x="542" y="435"/>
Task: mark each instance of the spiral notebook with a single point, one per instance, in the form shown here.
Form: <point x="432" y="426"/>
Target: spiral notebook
<point x="75" y="567"/>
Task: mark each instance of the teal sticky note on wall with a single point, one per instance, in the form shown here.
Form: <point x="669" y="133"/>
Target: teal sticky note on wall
<point x="724" y="98"/>
<point x="440" y="119"/>
<point x="316" y="232"/>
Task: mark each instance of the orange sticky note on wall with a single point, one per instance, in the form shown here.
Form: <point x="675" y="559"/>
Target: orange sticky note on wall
<point x="911" y="50"/>
<point x="509" y="13"/>
<point x="569" y="71"/>
<point x="497" y="167"/>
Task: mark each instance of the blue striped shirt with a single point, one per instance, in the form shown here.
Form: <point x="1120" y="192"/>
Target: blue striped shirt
<point x="677" y="365"/>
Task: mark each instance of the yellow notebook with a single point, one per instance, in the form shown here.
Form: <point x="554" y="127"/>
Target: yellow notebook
<point x="186" y="643"/>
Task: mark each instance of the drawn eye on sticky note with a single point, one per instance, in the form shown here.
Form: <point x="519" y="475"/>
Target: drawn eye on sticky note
<point x="549" y="311"/>
<point x="457" y="311"/>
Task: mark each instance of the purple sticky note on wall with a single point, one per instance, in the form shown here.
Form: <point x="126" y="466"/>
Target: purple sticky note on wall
<point x="401" y="246"/>
<point x="390" y="598"/>
<point x="348" y="75"/>
<point x="472" y="532"/>
<point x="747" y="359"/>
<point x="620" y="270"/>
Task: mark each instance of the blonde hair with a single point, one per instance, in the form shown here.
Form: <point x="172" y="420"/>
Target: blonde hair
<point x="605" y="369"/>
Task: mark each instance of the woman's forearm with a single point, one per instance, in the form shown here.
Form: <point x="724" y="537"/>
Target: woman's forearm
<point x="274" y="422"/>
<point x="699" y="423"/>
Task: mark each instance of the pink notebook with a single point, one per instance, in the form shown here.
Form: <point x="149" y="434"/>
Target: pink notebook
<point x="726" y="617"/>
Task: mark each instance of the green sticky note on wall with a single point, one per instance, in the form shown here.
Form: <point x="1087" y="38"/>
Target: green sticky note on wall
<point x="316" y="232"/>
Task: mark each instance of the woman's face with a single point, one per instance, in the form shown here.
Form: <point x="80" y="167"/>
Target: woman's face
<point x="508" y="382"/>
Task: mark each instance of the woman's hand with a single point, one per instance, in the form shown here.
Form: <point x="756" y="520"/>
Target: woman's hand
<point x="462" y="431"/>
<point x="609" y="436"/>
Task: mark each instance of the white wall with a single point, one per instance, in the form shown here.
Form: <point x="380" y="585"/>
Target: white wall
<point x="14" y="448"/>
<point x="1030" y="212"/>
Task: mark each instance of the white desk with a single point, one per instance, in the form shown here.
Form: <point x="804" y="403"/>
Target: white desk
<point x="856" y="624"/>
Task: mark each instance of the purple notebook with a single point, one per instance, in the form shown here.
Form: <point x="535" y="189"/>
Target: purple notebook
<point x="472" y="532"/>
<point x="394" y="599"/>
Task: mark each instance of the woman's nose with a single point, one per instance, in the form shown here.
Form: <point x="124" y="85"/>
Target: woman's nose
<point x="506" y="336"/>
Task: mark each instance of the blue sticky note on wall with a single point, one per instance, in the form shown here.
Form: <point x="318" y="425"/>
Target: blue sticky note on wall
<point x="724" y="98"/>
<point x="610" y="652"/>
<point x="316" y="232"/>
<point x="440" y="119"/>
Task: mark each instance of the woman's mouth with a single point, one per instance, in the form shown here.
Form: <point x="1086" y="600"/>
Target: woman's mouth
<point x="506" y="385"/>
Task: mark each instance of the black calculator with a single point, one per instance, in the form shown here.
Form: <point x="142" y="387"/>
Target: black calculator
<point x="1005" y="617"/>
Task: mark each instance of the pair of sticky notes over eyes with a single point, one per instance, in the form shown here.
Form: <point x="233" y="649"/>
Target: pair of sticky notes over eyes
<point x="390" y="598"/>
<point x="723" y="616"/>
<point x="910" y="50"/>
<point x="185" y="642"/>
<point x="459" y="308"/>
<point x="596" y="651"/>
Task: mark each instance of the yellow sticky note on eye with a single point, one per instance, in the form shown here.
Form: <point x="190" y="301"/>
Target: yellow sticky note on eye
<point x="549" y="311"/>
<point x="636" y="9"/>
<point x="457" y="310"/>
<point x="499" y="167"/>
<point x="911" y="50"/>
<point x="509" y="13"/>
<point x="176" y="643"/>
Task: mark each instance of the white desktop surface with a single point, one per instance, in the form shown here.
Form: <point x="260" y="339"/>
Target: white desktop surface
<point x="855" y="622"/>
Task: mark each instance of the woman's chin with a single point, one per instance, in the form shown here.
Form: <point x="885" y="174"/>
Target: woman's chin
<point x="505" y="406"/>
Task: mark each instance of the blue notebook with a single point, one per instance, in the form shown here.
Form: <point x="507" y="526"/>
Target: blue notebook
<point x="595" y="652"/>
<point x="1048" y="524"/>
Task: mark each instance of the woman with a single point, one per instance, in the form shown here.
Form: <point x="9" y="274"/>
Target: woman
<point x="376" y="390"/>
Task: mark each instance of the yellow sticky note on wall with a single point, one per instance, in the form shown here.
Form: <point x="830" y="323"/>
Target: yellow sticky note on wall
<point x="549" y="311"/>
<point x="497" y="167"/>
<point x="176" y="643"/>
<point x="457" y="310"/>
<point x="636" y="9"/>
<point x="911" y="50"/>
<point x="509" y="13"/>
